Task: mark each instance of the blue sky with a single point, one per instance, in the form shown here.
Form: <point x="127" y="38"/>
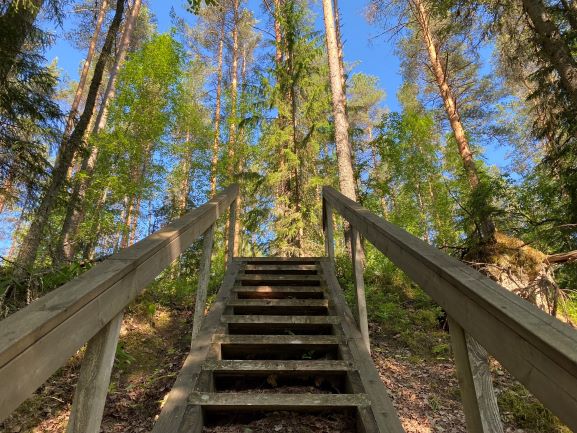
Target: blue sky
<point x="374" y="57"/>
<point x="364" y="47"/>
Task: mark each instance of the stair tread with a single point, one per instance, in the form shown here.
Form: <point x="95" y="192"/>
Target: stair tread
<point x="280" y="260"/>
<point x="275" y="339"/>
<point x="289" y="320"/>
<point x="276" y="289"/>
<point x="278" y="277"/>
<point x="278" y="302"/>
<point x="284" y="267"/>
<point x="270" y="365"/>
<point x="277" y="401"/>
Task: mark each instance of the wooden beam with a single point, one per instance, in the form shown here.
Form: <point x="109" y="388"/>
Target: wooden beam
<point x="278" y="303"/>
<point x="255" y="401"/>
<point x="92" y="387"/>
<point x="282" y="365"/>
<point x="539" y="350"/>
<point x="288" y="320"/>
<point x="363" y="322"/>
<point x="232" y="240"/>
<point x="276" y="339"/>
<point x="329" y="230"/>
<point x="203" y="280"/>
<point x="477" y="393"/>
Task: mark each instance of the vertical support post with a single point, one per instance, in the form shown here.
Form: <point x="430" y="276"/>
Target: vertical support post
<point x="231" y="231"/>
<point x="357" y="250"/>
<point x="203" y="280"/>
<point x="329" y="231"/>
<point x="477" y="394"/>
<point x="92" y="387"/>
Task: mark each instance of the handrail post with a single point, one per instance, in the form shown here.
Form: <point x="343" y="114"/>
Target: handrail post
<point x="203" y="280"/>
<point x="475" y="381"/>
<point x="231" y="231"/>
<point x="329" y="231"/>
<point x="92" y="387"/>
<point x="357" y="251"/>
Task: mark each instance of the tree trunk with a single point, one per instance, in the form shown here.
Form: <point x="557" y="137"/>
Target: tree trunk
<point x="31" y="243"/>
<point x="344" y="155"/>
<point x="340" y="45"/>
<point x="232" y="142"/>
<point x="553" y="47"/>
<point x="15" y="26"/>
<point x="277" y="32"/>
<point x="118" y="61"/>
<point x="81" y="88"/>
<point x="76" y="213"/>
<point x="449" y="100"/>
<point x="216" y="142"/>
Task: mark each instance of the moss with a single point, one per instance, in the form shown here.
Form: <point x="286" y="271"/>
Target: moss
<point x="518" y="406"/>
<point x="509" y="252"/>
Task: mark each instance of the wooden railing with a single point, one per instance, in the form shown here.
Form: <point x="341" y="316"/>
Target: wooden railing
<point x="537" y="349"/>
<point x="41" y="338"/>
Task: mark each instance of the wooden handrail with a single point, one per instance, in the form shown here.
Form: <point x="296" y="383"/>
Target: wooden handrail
<point x="39" y="339"/>
<point x="539" y="350"/>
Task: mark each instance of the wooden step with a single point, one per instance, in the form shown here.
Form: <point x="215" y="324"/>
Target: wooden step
<point x="281" y="267"/>
<point x="283" y="320"/>
<point x="287" y="269"/>
<point x="279" y="292"/>
<point x="277" y="347"/>
<point x="280" y="307"/>
<point x="279" y="325"/>
<point x="273" y="279"/>
<point x="243" y="401"/>
<point x="273" y="366"/>
<point x="275" y="339"/>
<point x="280" y="260"/>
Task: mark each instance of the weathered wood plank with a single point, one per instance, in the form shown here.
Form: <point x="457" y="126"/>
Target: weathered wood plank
<point x="278" y="289"/>
<point x="174" y="408"/>
<point x="539" y="350"/>
<point x="276" y="339"/>
<point x="255" y="365"/>
<point x="92" y="386"/>
<point x="288" y="320"/>
<point x="278" y="303"/>
<point x="329" y="230"/>
<point x="280" y="260"/>
<point x="277" y="401"/>
<point x="281" y="267"/>
<point x="203" y="280"/>
<point x="477" y="393"/>
<point x="382" y="406"/>
<point x="357" y="250"/>
<point x="232" y="240"/>
<point x="276" y="277"/>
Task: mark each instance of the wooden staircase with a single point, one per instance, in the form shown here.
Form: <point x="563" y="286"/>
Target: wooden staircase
<point x="279" y="324"/>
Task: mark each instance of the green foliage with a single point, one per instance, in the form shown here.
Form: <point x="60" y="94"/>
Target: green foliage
<point x="401" y="310"/>
<point x="518" y="405"/>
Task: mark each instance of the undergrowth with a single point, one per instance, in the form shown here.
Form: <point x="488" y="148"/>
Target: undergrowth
<point x="517" y="405"/>
<point x="400" y="309"/>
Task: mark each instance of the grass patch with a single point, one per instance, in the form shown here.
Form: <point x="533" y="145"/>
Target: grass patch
<point x="402" y="311"/>
<point x="519" y="406"/>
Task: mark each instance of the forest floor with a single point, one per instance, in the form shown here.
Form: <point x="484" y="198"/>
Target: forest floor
<point x="416" y="367"/>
